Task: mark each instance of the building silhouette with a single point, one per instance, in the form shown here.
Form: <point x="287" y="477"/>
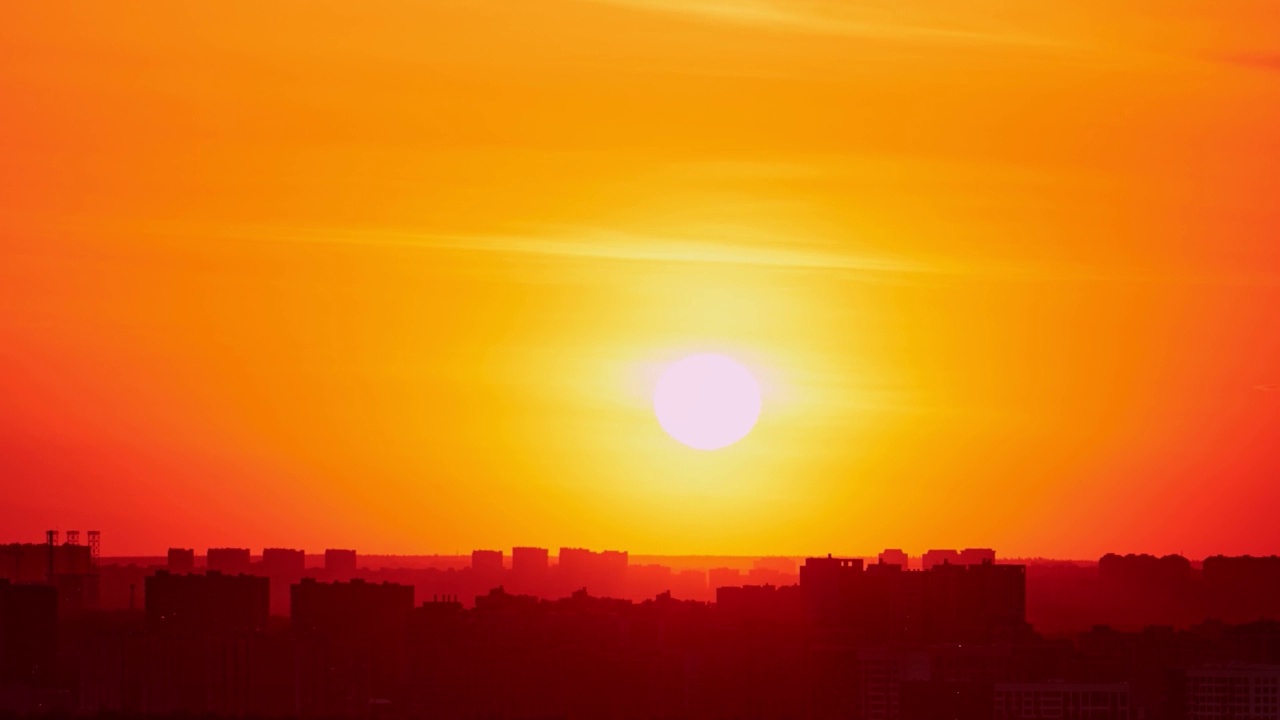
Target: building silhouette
<point x="884" y="602"/>
<point x="69" y="567"/>
<point x="230" y="561"/>
<point x="352" y="648"/>
<point x="1229" y="692"/>
<point x="968" y="556"/>
<point x="1069" y="701"/>
<point x="829" y="587"/>
<point x="1240" y="589"/>
<point x="530" y="561"/>
<point x="283" y="562"/>
<point x="894" y="557"/>
<point x="181" y="560"/>
<point x="204" y="648"/>
<point x="724" y="577"/>
<point x="28" y="634"/>
<point x="849" y="640"/>
<point x="209" y="602"/>
<point x="340" y="562"/>
<point x="36" y="562"/>
<point x="487" y="562"/>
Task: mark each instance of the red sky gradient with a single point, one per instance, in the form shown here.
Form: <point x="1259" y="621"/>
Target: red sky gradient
<point x="399" y="275"/>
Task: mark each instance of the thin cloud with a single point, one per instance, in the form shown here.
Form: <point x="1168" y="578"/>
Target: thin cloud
<point x="655" y="249"/>
<point x="1259" y="61"/>
<point x="1267" y="387"/>
<point x="786" y="16"/>
<point x="621" y="247"/>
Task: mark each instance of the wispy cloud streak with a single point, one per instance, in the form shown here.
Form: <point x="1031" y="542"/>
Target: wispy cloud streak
<point x="616" y="246"/>
<point x="1257" y="61"/>
<point x="811" y="18"/>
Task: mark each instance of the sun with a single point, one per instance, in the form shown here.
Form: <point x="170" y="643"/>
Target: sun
<point x="707" y="401"/>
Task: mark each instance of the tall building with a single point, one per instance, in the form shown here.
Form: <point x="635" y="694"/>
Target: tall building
<point x="342" y="562"/>
<point x="206" y="650"/>
<point x="828" y="586"/>
<point x="230" y="674"/>
<point x="1245" y="588"/>
<point x="529" y="560"/>
<point x="780" y="565"/>
<point x="487" y="562"/>
<point x="603" y="573"/>
<point x="889" y="604"/>
<point x="974" y="602"/>
<point x="894" y="556"/>
<point x="212" y="602"/>
<point x="284" y="562"/>
<point x="1062" y="701"/>
<point x="28" y="633"/>
<point x="878" y="679"/>
<point x="968" y="556"/>
<point x="68" y="567"/>
<point x="282" y="566"/>
<point x="1229" y="692"/>
<point x="690" y="584"/>
<point x="574" y="562"/>
<point x="30" y="562"/>
<point x="759" y="603"/>
<point x="351" y="646"/>
<point x="934" y="558"/>
<point x="349" y="607"/>
<point x="613" y="562"/>
<point x="977" y="556"/>
<point x="1148" y="569"/>
<point x="884" y="602"/>
<point x="724" y="577"/>
<point x="181" y="560"/>
<point x="230" y="561"/>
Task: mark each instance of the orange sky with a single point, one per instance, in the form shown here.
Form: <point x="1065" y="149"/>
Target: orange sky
<point x="398" y="275"/>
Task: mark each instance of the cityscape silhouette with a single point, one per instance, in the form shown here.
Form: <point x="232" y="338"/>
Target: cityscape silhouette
<point x="586" y="634"/>
<point x="639" y="360"/>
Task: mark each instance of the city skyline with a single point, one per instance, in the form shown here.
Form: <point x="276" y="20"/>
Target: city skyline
<point x="965" y="636"/>
<point x="639" y="360"/>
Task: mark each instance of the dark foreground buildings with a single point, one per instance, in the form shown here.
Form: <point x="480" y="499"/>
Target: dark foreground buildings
<point x="850" y="640"/>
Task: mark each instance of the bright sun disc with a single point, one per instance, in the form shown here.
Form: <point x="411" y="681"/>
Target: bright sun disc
<point x="707" y="401"/>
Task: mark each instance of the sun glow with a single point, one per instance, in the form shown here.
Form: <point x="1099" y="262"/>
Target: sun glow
<point x="707" y="401"/>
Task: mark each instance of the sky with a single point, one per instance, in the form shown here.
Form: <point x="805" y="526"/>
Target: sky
<point x="401" y="276"/>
